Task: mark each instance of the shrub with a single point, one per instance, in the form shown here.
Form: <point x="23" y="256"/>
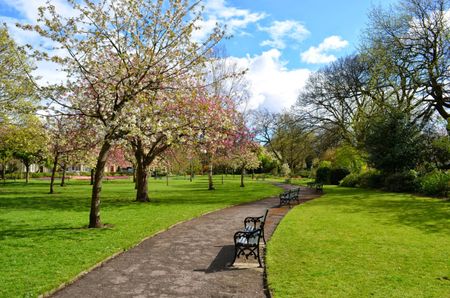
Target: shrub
<point x="285" y="170"/>
<point x="371" y="179"/>
<point x="77" y="173"/>
<point x="435" y="183"/>
<point x="351" y="180"/>
<point x="350" y="158"/>
<point x="40" y="175"/>
<point x="336" y="175"/>
<point x="304" y="173"/>
<point x="323" y="175"/>
<point x="402" y="182"/>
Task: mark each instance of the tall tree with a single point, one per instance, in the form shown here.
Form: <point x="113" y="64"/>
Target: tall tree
<point x="416" y="33"/>
<point x="30" y="144"/>
<point x="293" y="140"/>
<point x="264" y="124"/>
<point x="68" y="136"/>
<point x="244" y="151"/>
<point x="171" y="118"/>
<point x="336" y="98"/>
<point x="394" y="143"/>
<point x="118" y="53"/>
<point x="17" y="90"/>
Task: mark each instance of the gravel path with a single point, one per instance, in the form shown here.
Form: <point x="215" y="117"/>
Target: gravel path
<point x="189" y="260"/>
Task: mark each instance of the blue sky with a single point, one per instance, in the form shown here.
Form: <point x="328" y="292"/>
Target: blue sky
<point x="280" y="42"/>
<point x="321" y="18"/>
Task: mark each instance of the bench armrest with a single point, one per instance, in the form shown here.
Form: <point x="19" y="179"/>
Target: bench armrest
<point x="253" y="219"/>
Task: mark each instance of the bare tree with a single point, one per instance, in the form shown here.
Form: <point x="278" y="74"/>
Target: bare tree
<point x="417" y="35"/>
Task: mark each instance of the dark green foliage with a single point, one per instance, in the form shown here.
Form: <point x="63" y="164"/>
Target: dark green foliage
<point x="393" y="143"/>
<point x="350" y="158"/>
<point x="435" y="183"/>
<point x="40" y="175"/>
<point x="371" y="179"/>
<point x="336" y="175"/>
<point x="267" y="163"/>
<point x="402" y="182"/>
<point x="304" y="173"/>
<point x="309" y="161"/>
<point x="323" y="175"/>
<point x="351" y="180"/>
<point x="441" y="152"/>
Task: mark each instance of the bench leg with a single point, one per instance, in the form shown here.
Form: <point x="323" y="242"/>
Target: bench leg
<point x="259" y="257"/>
<point x="235" y="256"/>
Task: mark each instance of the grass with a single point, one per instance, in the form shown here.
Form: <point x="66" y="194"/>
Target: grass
<point x="44" y="240"/>
<point x="362" y="243"/>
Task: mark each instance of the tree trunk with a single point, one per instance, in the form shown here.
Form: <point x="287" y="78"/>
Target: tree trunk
<point x="63" y="178"/>
<point x="27" y="173"/>
<point x="142" y="185"/>
<point x="92" y="176"/>
<point x="141" y="177"/>
<point x="55" y="165"/>
<point x="4" y="172"/>
<point x="242" y="177"/>
<point x="94" y="217"/>
<point x="210" y="177"/>
<point x="167" y="178"/>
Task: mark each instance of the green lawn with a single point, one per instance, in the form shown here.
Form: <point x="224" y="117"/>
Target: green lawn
<point x="44" y="240"/>
<point x="362" y="243"/>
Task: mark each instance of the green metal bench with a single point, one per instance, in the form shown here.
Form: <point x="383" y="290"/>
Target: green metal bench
<point x="319" y="187"/>
<point x="253" y="223"/>
<point x="246" y="242"/>
<point x="288" y="196"/>
<point x="316" y="185"/>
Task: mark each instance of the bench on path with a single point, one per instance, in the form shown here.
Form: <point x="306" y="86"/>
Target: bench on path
<point x="246" y="242"/>
<point x="288" y="196"/>
<point x="253" y="223"/>
<point x="317" y="185"/>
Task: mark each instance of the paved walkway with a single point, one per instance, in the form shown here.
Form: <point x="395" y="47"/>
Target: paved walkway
<point x="189" y="260"/>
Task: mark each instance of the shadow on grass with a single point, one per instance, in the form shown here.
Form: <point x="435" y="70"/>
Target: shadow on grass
<point x="76" y="197"/>
<point x="49" y="232"/>
<point x="427" y="214"/>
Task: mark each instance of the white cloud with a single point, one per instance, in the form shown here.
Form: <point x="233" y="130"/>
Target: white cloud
<point x="218" y="12"/>
<point x="319" y="54"/>
<point x="28" y="9"/>
<point x="28" y="13"/>
<point x="272" y="85"/>
<point x="46" y="71"/>
<point x="282" y="31"/>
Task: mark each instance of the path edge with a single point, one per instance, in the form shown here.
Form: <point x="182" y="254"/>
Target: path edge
<point x="268" y="292"/>
<point x="115" y="255"/>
